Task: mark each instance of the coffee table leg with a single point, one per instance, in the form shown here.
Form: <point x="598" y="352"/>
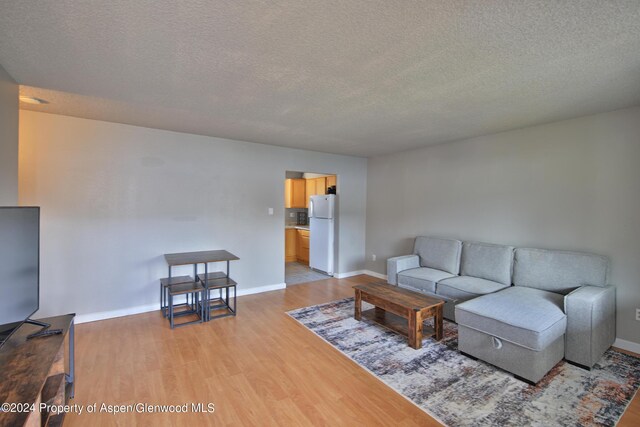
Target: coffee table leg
<point x="358" y="305"/>
<point x="412" y="320"/>
<point x="379" y="314"/>
<point x="437" y="322"/>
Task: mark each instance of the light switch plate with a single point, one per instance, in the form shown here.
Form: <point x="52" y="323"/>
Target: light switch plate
<point x="270" y="211"/>
<point x="638" y="314"/>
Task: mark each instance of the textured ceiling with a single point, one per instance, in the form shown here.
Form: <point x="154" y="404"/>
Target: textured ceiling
<point x="351" y="77"/>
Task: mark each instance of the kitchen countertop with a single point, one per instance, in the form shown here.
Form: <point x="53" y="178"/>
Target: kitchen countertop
<point x="297" y="227"/>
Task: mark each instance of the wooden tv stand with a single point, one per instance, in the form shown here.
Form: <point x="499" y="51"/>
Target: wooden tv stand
<point x="35" y="372"/>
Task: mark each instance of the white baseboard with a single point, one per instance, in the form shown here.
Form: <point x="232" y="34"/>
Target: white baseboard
<point x="358" y="272"/>
<point x="103" y="315"/>
<point x="347" y="274"/>
<point x="260" y="289"/>
<point x="374" y="274"/>
<point x="627" y="345"/>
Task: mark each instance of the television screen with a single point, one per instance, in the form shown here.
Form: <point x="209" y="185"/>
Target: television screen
<point x="19" y="266"/>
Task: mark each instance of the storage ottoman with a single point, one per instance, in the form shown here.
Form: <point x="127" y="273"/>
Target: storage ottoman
<point x="518" y="329"/>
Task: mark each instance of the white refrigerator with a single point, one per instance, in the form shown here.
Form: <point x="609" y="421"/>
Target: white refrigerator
<point x="321" y="230"/>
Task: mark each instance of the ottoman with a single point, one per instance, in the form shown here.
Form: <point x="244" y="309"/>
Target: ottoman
<point x="518" y="329"/>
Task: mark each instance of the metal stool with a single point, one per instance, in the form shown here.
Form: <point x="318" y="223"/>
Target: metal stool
<point x="218" y="280"/>
<point x="164" y="284"/>
<point x="193" y="289"/>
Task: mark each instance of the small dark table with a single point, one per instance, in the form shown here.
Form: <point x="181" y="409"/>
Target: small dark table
<point x="210" y="280"/>
<point x="393" y="304"/>
<point x="201" y="257"/>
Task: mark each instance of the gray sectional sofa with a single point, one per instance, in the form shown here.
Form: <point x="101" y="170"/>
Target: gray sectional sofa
<point x="520" y="309"/>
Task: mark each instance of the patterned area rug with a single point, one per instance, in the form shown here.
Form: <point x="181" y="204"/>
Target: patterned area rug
<point x="459" y="391"/>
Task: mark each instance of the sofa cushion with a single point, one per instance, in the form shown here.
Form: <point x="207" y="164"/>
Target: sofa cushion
<point x="487" y="261"/>
<point x="558" y="271"/>
<point x="423" y="279"/>
<point x="466" y="287"/>
<point x="531" y="318"/>
<point x="438" y="253"/>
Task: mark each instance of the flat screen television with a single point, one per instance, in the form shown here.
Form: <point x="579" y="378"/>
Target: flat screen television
<point x="19" y="267"/>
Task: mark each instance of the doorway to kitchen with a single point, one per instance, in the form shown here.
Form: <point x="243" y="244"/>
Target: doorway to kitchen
<point x="310" y="201"/>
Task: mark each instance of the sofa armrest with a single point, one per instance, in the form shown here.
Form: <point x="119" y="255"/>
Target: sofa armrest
<point x="591" y="323"/>
<point x="400" y="263"/>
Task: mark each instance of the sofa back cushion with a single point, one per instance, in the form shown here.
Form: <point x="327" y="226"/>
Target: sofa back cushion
<point x="438" y="253"/>
<point x="558" y="271"/>
<point x="487" y="261"/>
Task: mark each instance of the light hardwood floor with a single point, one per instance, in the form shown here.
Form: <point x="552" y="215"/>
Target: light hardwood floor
<point x="260" y="368"/>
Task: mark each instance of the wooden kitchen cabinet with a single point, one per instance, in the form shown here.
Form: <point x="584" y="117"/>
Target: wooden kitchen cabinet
<point x="315" y="187"/>
<point x="302" y="246"/>
<point x="310" y="186"/>
<point x="331" y="180"/>
<point x="290" y="243"/>
<point x="295" y="193"/>
<point x="321" y="186"/>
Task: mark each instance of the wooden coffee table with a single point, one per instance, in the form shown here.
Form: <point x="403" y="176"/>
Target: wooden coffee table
<point x="393" y="305"/>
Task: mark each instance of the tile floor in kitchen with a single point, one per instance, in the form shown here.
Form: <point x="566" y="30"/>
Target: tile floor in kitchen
<point x="295" y="273"/>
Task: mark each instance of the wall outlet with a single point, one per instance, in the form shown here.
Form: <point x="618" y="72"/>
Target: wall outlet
<point x="292" y="214"/>
<point x="373" y="257"/>
<point x="638" y="314"/>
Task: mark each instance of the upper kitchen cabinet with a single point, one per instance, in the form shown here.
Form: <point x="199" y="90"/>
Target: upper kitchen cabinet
<point x="311" y="190"/>
<point x="331" y="181"/>
<point x="314" y="187"/>
<point x="295" y="193"/>
<point x="321" y="185"/>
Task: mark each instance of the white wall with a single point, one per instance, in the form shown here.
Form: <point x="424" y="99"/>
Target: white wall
<point x="116" y="197"/>
<point x="573" y="185"/>
<point x="8" y="140"/>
